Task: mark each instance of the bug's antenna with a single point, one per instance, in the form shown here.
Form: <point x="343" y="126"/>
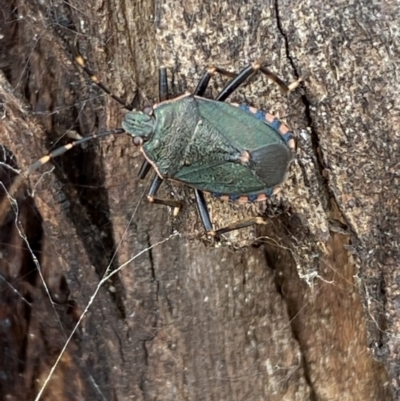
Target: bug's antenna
<point x="5" y="203"/>
<point x="95" y="79"/>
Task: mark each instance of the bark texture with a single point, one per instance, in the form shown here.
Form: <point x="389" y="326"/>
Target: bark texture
<point x="301" y="308"/>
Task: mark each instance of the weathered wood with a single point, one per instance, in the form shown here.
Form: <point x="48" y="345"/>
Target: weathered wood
<point x="188" y="319"/>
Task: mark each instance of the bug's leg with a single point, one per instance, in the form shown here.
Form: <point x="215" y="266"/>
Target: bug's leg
<point x="163" y="92"/>
<point x="203" y="212"/>
<point x="205" y="218"/>
<point x="205" y="79"/>
<point x="144" y="169"/>
<point x="155" y="185"/>
<point x="240" y="224"/>
<point x="235" y="83"/>
<point x="282" y="85"/>
<point x="249" y="71"/>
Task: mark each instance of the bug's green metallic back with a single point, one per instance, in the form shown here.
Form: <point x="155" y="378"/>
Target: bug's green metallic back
<point x="204" y="144"/>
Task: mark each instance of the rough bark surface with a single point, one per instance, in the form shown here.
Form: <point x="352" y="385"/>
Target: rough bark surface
<point x="301" y="308"/>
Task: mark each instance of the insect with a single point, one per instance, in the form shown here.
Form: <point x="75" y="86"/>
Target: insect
<point x="235" y="152"/>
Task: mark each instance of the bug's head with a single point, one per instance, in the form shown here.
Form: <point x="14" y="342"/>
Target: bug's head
<point x="139" y="125"/>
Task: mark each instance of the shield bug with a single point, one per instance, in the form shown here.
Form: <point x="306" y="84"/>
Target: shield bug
<point x="235" y="152"/>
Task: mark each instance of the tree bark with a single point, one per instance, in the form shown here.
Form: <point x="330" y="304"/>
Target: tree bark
<point x="301" y="308"/>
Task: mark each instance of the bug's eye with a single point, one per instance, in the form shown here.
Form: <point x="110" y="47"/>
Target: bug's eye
<point x="137" y="141"/>
<point x="148" y="110"/>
